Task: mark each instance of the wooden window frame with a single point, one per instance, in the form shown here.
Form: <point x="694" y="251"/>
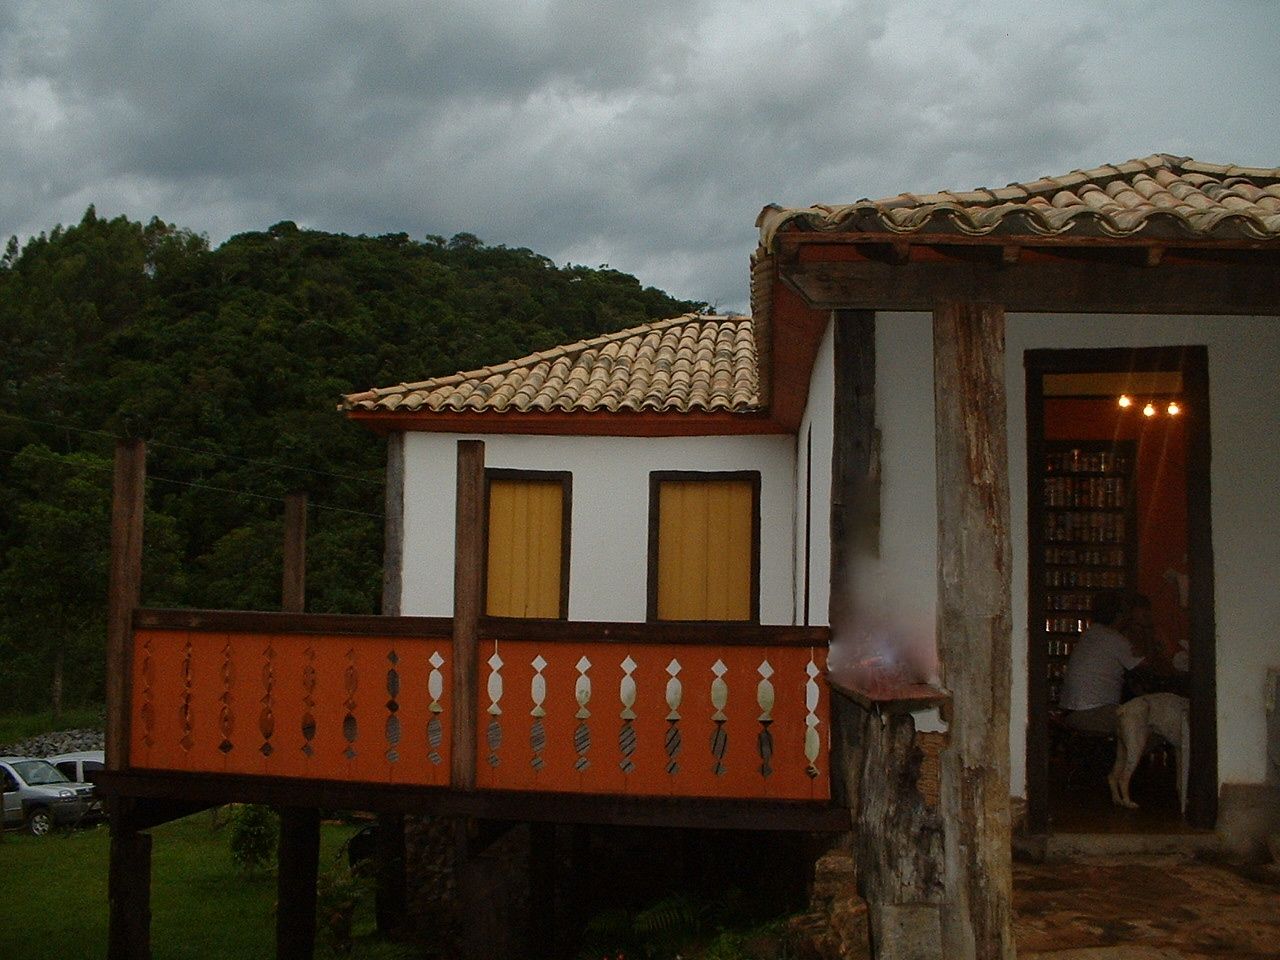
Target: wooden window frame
<point x="656" y="479"/>
<point x="565" y="479"/>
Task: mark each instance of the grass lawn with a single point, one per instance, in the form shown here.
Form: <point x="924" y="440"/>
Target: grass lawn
<point x="53" y="896"/>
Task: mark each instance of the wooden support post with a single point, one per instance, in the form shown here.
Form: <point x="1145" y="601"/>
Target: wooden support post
<point x="296" y="873"/>
<point x="128" y="886"/>
<point x="293" y="589"/>
<point x="298" y="859"/>
<point x="129" y="874"/>
<point x="124" y="586"/>
<point x="391" y="897"/>
<point x="974" y="628"/>
<point x="468" y="604"/>
<point x="542" y="891"/>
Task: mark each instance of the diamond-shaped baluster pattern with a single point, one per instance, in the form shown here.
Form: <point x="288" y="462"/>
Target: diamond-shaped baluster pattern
<point x="435" y="688"/>
<point x="495" y="711"/>
<point x="538" y="694"/>
<point x="226" y="718"/>
<point x="812" y="744"/>
<point x="627" y="735"/>
<point x="764" y="697"/>
<point x="350" y="728"/>
<point x="719" y="700"/>
<point x="147" y="711"/>
<point x="308" y="699"/>
<point x="582" y="734"/>
<point x="393" y="707"/>
<point x="184" y="710"/>
<point x="675" y="692"/>
<point x="266" y="712"/>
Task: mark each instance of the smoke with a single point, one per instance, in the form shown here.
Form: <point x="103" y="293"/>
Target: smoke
<point x="883" y="632"/>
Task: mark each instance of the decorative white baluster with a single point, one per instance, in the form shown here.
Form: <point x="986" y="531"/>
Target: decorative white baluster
<point x="764" y="697"/>
<point x="675" y="692"/>
<point x="538" y="693"/>
<point x="719" y="699"/>
<point x="582" y="735"/>
<point x="495" y="694"/>
<point x="627" y="694"/>
<point x="812" y="745"/>
<point x="435" y="688"/>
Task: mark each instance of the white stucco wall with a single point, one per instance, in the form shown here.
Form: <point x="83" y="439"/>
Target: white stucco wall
<point x="1244" y="357"/>
<point x="817" y="427"/>
<point x="610" y="523"/>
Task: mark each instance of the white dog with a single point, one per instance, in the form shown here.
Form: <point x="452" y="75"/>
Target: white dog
<point x="1162" y="713"/>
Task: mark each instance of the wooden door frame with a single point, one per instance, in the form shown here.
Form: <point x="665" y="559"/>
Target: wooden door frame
<point x="1193" y="363"/>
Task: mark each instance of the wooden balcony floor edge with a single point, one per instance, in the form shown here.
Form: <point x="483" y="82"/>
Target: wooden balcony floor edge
<point x="708" y="813"/>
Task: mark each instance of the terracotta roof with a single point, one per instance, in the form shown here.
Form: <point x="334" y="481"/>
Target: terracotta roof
<point x="687" y="363"/>
<point x="1161" y="196"/>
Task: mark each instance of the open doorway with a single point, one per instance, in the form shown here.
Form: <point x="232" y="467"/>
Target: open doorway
<point x="1118" y="499"/>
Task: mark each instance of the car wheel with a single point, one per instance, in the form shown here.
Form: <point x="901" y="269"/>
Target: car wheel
<point x="39" y="822"/>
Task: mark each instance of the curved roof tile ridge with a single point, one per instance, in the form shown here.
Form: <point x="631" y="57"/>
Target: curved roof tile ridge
<point x="679" y="364"/>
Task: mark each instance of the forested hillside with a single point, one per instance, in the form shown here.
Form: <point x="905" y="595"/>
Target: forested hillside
<point x="230" y="362"/>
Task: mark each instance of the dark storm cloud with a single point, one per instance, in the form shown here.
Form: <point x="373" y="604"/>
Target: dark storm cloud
<point x="646" y="135"/>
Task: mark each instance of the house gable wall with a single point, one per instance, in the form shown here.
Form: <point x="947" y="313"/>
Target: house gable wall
<point x="610" y="526"/>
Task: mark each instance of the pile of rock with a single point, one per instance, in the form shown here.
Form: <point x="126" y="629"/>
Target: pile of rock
<point x="51" y="744"/>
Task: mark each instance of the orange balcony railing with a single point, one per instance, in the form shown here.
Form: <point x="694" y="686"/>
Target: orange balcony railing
<point x="675" y="710"/>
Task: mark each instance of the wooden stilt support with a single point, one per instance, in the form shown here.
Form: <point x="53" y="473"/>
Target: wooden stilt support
<point x="974" y="627"/>
<point x="542" y="891"/>
<point x="296" y="874"/>
<point x="129" y="875"/>
<point x="128" y="886"/>
<point x="391" y="895"/>
<point x="299" y="849"/>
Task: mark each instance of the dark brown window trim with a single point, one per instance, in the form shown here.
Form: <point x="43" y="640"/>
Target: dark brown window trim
<point x="565" y="479"/>
<point x="656" y="478"/>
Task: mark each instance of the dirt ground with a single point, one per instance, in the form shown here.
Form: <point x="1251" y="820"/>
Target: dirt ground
<point x="1146" y="908"/>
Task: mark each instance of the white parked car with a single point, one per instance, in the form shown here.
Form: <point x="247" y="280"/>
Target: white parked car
<point x="38" y="795"/>
<point x="77" y="766"/>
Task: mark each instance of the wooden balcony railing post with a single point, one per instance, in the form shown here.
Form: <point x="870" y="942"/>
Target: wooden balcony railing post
<point x="129" y="877"/>
<point x="468" y="604"/>
<point x="299" y="847"/>
<point x="124" y="587"/>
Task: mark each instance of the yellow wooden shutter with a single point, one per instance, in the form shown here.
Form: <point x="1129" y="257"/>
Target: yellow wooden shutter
<point x="525" y="548"/>
<point x="705" y="549"/>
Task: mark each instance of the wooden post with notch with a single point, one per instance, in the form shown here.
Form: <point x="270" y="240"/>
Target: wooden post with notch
<point x="468" y="605"/>
<point x="129" y="874"/>
<point x="299" y="848"/>
<point x="974" y="626"/>
<point x="391" y="896"/>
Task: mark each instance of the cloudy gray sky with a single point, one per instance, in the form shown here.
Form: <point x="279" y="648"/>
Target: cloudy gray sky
<point x="646" y="135"/>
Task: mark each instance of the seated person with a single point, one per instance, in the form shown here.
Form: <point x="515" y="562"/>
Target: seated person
<point x="1094" y="681"/>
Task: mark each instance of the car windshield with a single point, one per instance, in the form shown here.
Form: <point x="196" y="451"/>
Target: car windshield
<point x="39" y="772"/>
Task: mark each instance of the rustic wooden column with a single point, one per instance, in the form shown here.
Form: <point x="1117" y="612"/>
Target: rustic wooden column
<point x="123" y="589"/>
<point x="128" y="885"/>
<point x="468" y="605"/>
<point x="974" y="627"/>
<point x="298" y="859"/>
<point x="391" y="897"/>
<point x="129" y="874"/>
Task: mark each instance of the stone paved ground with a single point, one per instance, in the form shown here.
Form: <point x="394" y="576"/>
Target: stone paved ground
<point x="1152" y="908"/>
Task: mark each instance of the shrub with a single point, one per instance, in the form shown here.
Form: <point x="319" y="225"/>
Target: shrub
<point x="255" y="831"/>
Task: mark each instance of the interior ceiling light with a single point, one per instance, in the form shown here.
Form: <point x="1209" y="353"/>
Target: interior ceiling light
<point x="1149" y="410"/>
<point x="1174" y="408"/>
<point x="1125" y="401"/>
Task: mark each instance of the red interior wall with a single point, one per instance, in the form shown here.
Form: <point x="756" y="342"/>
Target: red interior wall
<point x="1162" y="492"/>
